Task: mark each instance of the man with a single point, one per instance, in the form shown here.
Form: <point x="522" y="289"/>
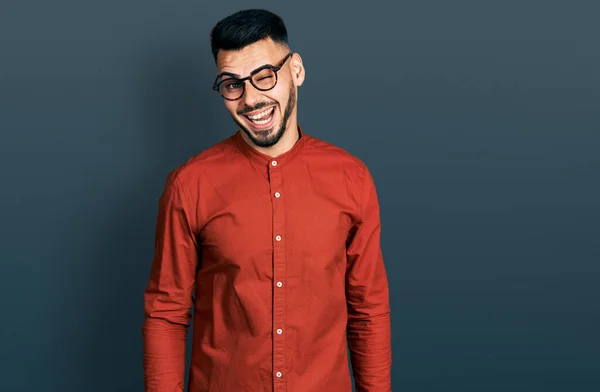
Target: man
<point x="274" y="236"/>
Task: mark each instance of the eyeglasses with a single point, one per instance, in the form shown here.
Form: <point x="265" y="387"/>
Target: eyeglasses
<point x="263" y="78"/>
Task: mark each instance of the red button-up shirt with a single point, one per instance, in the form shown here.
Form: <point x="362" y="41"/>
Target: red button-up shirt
<point x="281" y="260"/>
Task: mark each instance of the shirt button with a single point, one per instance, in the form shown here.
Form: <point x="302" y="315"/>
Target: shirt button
<point x="279" y="331"/>
<point x="277" y="194"/>
<point x="278" y="374"/>
<point x="274" y="163"/>
<point x="278" y="238"/>
<point x="279" y="284"/>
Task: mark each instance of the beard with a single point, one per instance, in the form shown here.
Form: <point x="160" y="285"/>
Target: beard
<point x="268" y="137"/>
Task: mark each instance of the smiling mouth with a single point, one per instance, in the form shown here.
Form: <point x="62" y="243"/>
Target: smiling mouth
<point x="263" y="117"/>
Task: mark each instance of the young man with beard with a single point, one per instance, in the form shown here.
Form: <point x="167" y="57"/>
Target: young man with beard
<point x="274" y="236"/>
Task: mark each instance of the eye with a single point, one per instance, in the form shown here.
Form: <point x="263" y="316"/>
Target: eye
<point x="231" y="84"/>
<point x="265" y="78"/>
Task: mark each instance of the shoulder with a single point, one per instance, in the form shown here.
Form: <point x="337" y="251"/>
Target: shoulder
<point x="320" y="150"/>
<point x="196" y="167"/>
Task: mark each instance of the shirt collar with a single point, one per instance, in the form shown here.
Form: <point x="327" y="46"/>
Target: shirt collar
<point x="263" y="160"/>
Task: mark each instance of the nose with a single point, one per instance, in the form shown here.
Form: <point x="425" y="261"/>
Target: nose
<point x="251" y="96"/>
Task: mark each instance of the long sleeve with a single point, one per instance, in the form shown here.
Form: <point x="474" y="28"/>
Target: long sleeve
<point x="168" y="295"/>
<point x="367" y="294"/>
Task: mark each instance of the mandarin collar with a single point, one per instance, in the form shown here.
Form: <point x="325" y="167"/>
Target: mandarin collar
<point x="263" y="160"/>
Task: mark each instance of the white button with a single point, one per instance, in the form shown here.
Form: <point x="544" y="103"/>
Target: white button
<point x="279" y="284"/>
<point x="274" y="163"/>
<point x="278" y="374"/>
<point x="279" y="331"/>
<point x="277" y="194"/>
<point x="278" y="238"/>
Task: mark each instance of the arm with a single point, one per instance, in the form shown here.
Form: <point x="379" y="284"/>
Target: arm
<point x="168" y="295"/>
<point x="368" y="330"/>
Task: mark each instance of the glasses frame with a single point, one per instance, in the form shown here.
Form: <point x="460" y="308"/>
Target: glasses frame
<point x="217" y="83"/>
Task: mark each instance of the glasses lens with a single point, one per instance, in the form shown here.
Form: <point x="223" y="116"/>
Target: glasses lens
<point x="231" y="88"/>
<point x="265" y="79"/>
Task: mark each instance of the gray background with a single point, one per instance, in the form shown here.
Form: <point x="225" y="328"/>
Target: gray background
<point x="478" y="119"/>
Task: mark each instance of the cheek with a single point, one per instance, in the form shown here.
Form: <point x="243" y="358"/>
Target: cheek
<point x="232" y="107"/>
<point x="280" y="92"/>
<point x="278" y="96"/>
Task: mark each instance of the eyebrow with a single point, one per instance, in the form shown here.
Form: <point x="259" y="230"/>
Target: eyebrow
<point x="229" y="74"/>
<point x="237" y="76"/>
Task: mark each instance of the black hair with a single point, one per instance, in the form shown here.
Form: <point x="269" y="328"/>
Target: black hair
<point x="246" y="27"/>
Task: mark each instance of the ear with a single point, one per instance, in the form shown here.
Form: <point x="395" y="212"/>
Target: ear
<point x="297" y="69"/>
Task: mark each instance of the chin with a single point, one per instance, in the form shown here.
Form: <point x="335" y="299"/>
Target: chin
<point x="264" y="138"/>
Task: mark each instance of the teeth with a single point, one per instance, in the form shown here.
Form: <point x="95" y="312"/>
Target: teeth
<point x="257" y="118"/>
<point x="262" y="114"/>
<point x="260" y="122"/>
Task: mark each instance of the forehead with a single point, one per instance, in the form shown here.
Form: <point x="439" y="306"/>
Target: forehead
<point x="243" y="61"/>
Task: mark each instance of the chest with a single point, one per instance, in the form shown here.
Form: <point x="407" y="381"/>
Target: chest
<point x="302" y="219"/>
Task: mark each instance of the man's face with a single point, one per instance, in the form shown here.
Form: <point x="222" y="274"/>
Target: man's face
<point x="263" y="115"/>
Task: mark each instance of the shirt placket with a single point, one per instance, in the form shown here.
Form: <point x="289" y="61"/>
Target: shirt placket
<point x="279" y="370"/>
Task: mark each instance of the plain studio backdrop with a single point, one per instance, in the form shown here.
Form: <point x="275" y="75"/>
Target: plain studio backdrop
<point x="478" y="119"/>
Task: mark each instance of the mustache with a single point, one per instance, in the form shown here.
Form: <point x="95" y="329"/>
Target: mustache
<point x="248" y="109"/>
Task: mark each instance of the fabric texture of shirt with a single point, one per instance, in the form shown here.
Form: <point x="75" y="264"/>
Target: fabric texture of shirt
<point x="280" y="260"/>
